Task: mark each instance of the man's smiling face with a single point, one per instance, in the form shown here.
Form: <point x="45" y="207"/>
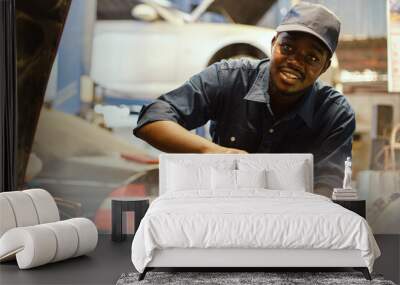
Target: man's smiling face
<point x="297" y="60"/>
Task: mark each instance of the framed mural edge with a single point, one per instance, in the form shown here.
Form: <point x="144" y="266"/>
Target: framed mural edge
<point x="39" y="27"/>
<point x="8" y="96"/>
<point x="393" y="45"/>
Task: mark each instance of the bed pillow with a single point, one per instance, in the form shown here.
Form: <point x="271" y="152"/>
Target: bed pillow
<point x="290" y="175"/>
<point x="223" y="179"/>
<point x="192" y="174"/>
<point x="251" y="178"/>
<point x="291" y="179"/>
<point x="199" y="161"/>
<point x="182" y="177"/>
<point x="229" y="180"/>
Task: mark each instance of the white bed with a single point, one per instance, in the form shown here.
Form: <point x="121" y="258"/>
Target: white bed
<point x="217" y="224"/>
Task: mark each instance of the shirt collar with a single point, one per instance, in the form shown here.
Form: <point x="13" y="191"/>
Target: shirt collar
<point x="259" y="93"/>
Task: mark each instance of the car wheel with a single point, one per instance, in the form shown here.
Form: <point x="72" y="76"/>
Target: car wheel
<point x="237" y="51"/>
<point x="239" y="56"/>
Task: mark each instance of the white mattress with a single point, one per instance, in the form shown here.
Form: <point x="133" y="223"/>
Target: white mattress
<point x="252" y="218"/>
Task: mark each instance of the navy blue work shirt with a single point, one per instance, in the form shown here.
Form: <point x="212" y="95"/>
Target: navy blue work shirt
<point x="234" y="95"/>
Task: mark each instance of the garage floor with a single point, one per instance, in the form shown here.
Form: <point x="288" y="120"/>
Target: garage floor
<point x="111" y="259"/>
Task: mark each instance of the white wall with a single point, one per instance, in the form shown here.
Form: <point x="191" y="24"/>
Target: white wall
<point x="363" y="104"/>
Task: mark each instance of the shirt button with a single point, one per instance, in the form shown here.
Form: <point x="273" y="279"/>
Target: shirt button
<point x="271" y="131"/>
<point x="233" y="139"/>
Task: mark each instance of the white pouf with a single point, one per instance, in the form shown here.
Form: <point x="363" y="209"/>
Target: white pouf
<point x="23" y="208"/>
<point x="7" y="218"/>
<point x="31" y="232"/>
<point x="45" y="205"/>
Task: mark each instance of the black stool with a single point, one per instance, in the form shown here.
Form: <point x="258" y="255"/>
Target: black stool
<point x="121" y="205"/>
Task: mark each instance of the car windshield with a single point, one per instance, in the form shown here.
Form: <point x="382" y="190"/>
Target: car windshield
<point x="216" y="16"/>
<point x="168" y="11"/>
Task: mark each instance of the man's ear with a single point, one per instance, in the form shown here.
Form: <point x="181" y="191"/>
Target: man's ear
<point x="273" y="42"/>
<point x="274" y="39"/>
<point x="327" y="65"/>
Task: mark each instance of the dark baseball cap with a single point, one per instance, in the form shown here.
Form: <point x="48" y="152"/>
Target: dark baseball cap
<point x="313" y="19"/>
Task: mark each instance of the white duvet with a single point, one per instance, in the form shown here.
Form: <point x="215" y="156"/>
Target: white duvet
<point x="250" y="218"/>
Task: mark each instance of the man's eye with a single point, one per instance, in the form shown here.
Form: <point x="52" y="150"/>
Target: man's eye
<point x="286" y="48"/>
<point x="312" y="59"/>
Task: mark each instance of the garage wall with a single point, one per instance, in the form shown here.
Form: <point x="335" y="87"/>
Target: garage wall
<point x="355" y="15"/>
<point x="363" y="104"/>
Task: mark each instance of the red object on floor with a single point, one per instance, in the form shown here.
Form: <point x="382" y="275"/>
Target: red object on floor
<point x="140" y="158"/>
<point x="129" y="190"/>
<point x="102" y="219"/>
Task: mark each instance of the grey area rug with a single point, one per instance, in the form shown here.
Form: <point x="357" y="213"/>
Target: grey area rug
<point x="243" y="278"/>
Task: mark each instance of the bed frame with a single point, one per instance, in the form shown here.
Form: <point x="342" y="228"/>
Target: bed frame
<point x="250" y="258"/>
<point x="246" y="259"/>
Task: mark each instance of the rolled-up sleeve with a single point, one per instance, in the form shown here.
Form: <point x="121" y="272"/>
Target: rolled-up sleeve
<point x="333" y="150"/>
<point x="190" y="105"/>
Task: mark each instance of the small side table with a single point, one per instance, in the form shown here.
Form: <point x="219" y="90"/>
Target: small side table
<point x="121" y="205"/>
<point x="357" y="206"/>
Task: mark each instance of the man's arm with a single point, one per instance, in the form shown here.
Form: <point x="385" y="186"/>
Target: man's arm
<point x="165" y="123"/>
<point x="169" y="136"/>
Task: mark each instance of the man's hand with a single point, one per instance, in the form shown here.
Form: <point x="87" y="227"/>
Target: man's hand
<point x="169" y="136"/>
<point x="221" y="149"/>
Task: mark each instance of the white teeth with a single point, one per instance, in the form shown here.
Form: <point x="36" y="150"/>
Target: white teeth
<point x="291" y="75"/>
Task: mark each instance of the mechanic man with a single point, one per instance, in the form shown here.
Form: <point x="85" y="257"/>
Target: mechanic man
<point x="266" y="106"/>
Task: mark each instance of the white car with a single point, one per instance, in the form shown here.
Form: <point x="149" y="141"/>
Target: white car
<point x="161" y="47"/>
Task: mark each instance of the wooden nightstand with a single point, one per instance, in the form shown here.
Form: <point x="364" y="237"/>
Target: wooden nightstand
<point x="357" y="206"/>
